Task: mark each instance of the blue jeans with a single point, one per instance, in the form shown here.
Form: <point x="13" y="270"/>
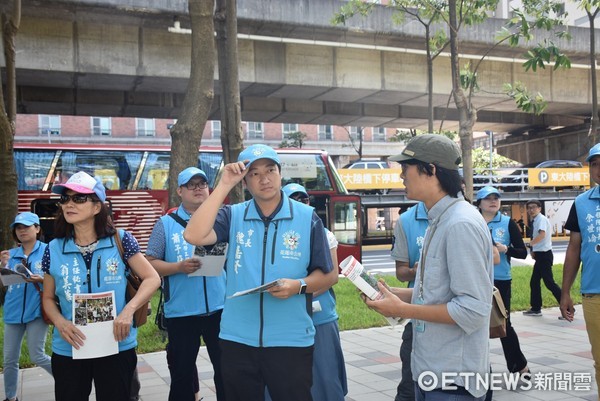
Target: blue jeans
<point x="13" y="337"/>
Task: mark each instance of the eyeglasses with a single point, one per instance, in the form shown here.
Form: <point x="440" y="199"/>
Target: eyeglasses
<point x="195" y="185"/>
<point x="302" y="199"/>
<point x="76" y="198"/>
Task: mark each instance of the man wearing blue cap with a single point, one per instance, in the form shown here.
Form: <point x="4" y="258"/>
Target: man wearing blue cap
<point x="584" y="249"/>
<point x="266" y="338"/>
<point x="193" y="305"/>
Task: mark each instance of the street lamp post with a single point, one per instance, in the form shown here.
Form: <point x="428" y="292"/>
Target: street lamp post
<point x="491" y="135"/>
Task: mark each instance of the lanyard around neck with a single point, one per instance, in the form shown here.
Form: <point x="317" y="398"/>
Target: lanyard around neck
<point x="430" y="231"/>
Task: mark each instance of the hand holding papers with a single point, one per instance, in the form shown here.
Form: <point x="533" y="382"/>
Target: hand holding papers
<point x="367" y="284"/>
<point x="17" y="276"/>
<point x="94" y="315"/>
<point x="211" y="262"/>
<point x="256" y="290"/>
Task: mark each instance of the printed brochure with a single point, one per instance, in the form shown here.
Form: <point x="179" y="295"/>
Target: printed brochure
<point x="94" y="315"/>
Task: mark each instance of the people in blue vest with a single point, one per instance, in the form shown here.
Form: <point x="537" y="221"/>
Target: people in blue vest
<point x="193" y="304"/>
<point x="329" y="368"/>
<point x="584" y="249"/>
<point x="84" y="258"/>
<point x="267" y="337"/>
<point x="409" y="233"/>
<point x="22" y="303"/>
<point x="509" y="242"/>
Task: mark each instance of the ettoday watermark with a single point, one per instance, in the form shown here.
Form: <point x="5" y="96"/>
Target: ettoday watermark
<point x="544" y="381"/>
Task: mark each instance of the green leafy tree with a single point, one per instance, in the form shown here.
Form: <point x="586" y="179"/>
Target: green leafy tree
<point x="455" y="15"/>
<point x="294" y="140"/>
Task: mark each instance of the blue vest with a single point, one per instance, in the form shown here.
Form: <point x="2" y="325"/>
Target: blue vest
<point x="69" y="271"/>
<point x="22" y="302"/>
<point x="414" y="224"/>
<point x="259" y="253"/>
<point x="501" y="235"/>
<point x="188" y="296"/>
<point x="588" y="217"/>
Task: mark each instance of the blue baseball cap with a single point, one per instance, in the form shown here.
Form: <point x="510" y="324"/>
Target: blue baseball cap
<point x="258" y="151"/>
<point x="594" y="151"/>
<point x="27" y="219"/>
<point x="293" y="188"/>
<point x="186" y="175"/>
<point x="487" y="191"/>
<point x="82" y="183"/>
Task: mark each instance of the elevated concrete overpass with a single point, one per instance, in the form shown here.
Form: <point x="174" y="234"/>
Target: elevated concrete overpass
<point x="117" y="58"/>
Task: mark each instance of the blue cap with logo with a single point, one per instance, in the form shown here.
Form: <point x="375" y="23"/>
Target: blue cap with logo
<point x="255" y="152"/>
<point x="487" y="191"/>
<point x="293" y="188"/>
<point x="27" y="219"/>
<point x="186" y="175"/>
<point x="594" y="151"/>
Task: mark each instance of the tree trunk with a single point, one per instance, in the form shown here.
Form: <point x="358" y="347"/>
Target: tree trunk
<point x="8" y="114"/>
<point x="232" y="139"/>
<point x="430" y="114"/>
<point x="186" y="134"/>
<point x="466" y="114"/>
<point x="593" y="134"/>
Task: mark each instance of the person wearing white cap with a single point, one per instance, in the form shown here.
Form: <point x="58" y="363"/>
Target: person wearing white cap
<point x="509" y="242"/>
<point x="266" y="338"/>
<point x="84" y="258"/>
<point x="22" y="304"/>
<point x="193" y="305"/>
<point x="584" y="250"/>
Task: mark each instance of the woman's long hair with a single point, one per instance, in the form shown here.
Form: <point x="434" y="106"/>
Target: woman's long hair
<point x="103" y="224"/>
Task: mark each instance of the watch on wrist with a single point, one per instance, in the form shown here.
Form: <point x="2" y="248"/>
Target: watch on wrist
<point x="302" y="289"/>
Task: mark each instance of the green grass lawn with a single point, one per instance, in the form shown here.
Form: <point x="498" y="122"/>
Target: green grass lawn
<point x="353" y="312"/>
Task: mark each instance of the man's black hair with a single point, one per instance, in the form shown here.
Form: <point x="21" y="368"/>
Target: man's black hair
<point x="450" y="180"/>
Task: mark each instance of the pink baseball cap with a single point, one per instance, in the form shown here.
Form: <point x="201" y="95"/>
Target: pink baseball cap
<point x="83" y="183"/>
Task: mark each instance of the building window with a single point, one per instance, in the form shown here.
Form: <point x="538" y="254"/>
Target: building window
<point x="354" y="133"/>
<point x="288" y="129"/>
<point x="215" y="127"/>
<point x="49" y="125"/>
<point x="325" y="133"/>
<point x="379" y="134"/>
<point x="145" y="127"/>
<point x="101" y="126"/>
<point x="255" y="130"/>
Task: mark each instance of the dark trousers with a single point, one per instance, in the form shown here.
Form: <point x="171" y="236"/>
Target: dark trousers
<point x="542" y="270"/>
<point x="515" y="360"/>
<point x="406" y="388"/>
<point x="285" y="371"/>
<point x="184" y="343"/>
<point x="111" y="375"/>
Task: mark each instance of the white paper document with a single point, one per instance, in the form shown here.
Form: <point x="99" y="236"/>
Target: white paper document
<point x="256" y="290"/>
<point x="17" y="276"/>
<point x="212" y="262"/>
<point x="94" y="315"/>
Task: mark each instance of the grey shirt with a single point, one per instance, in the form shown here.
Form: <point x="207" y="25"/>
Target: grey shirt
<point x="458" y="272"/>
<point x="541" y="223"/>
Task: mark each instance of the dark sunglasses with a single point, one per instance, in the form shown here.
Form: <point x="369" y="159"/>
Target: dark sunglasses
<point x="303" y="199"/>
<point x="77" y="198"/>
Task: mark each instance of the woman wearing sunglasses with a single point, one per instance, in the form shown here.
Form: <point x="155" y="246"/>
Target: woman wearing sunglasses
<point x="22" y="312"/>
<point x="84" y="258"/>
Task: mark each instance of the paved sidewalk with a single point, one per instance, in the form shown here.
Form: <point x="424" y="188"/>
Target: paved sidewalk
<point x="552" y="346"/>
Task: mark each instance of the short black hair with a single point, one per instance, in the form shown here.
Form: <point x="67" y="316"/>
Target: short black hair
<point x="450" y="180"/>
<point x="534" y="202"/>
